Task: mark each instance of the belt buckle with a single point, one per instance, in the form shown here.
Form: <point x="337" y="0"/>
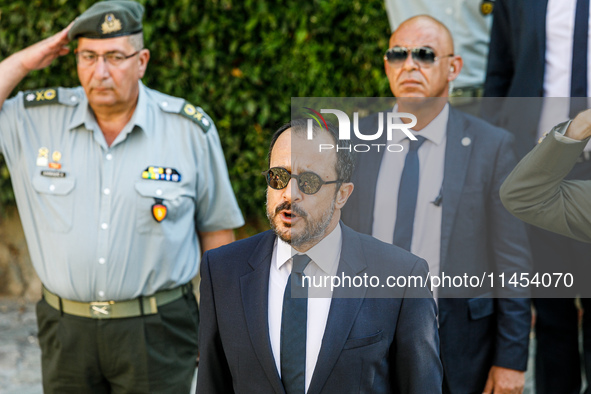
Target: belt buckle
<point x="101" y="310"/>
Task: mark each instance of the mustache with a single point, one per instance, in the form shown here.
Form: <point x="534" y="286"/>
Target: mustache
<point x="291" y="207"/>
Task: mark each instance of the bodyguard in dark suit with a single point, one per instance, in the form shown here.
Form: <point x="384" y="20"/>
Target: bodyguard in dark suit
<point x="457" y="221"/>
<point x="251" y="338"/>
<point x="539" y="48"/>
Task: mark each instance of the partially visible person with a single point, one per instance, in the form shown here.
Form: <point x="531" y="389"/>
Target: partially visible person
<point x="119" y="189"/>
<point x="257" y="337"/>
<point x="469" y="22"/>
<point x="537" y="192"/>
<point x="439" y="199"/>
<point x="539" y="50"/>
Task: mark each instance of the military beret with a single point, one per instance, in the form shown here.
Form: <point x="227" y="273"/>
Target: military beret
<point x="108" y="19"/>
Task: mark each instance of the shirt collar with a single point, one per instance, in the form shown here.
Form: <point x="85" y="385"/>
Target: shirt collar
<point x="435" y="131"/>
<point x="84" y="114"/>
<point x="324" y="253"/>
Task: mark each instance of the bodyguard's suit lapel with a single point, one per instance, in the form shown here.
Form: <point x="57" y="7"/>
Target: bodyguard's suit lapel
<point x="254" y="287"/>
<point x="457" y="156"/>
<point x="343" y="311"/>
<point x="368" y="169"/>
<point x="538" y="19"/>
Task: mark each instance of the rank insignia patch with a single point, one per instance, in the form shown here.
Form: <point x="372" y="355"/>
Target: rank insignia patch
<point x="35" y="98"/>
<point x="161" y="174"/>
<point x="159" y="210"/>
<point x="197" y="115"/>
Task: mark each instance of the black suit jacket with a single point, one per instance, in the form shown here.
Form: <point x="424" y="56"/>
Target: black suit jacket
<point x="516" y="67"/>
<point x="370" y="345"/>
<point x="477" y="235"/>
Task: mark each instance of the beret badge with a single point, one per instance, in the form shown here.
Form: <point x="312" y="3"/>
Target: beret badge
<point x="111" y="24"/>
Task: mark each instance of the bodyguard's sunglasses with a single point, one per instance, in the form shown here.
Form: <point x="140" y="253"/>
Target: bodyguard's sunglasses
<point x="423" y="56"/>
<point x="308" y="182"/>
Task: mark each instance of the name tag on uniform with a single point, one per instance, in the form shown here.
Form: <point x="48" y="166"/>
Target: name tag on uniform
<point x="53" y="174"/>
<point x="161" y="174"/>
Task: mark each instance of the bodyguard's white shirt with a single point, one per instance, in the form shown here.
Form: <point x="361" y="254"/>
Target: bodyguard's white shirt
<point x="325" y="261"/>
<point x="426" y="236"/>
<point x="560" y="25"/>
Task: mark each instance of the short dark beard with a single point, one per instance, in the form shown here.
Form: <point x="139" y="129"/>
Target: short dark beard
<point x="314" y="231"/>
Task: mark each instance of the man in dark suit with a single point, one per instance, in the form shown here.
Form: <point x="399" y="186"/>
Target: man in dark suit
<point x="252" y="340"/>
<point x="455" y="220"/>
<point x="537" y="60"/>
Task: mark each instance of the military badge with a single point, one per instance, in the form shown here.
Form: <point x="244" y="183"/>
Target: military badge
<point x="35" y="98"/>
<point x="111" y="24"/>
<point x="159" y="210"/>
<point x="56" y="157"/>
<point x="161" y="174"/>
<point x="43" y="157"/>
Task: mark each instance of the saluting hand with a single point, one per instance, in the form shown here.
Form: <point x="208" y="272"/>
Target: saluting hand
<point x="41" y="54"/>
<point x="580" y="128"/>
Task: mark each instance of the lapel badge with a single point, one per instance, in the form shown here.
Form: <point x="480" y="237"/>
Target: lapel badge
<point x="159" y="210"/>
<point x="486" y="7"/>
<point x="43" y="157"/>
<point x="466" y="141"/>
<point x="56" y="157"/>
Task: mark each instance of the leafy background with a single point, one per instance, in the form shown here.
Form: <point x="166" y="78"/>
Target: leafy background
<point x="241" y="61"/>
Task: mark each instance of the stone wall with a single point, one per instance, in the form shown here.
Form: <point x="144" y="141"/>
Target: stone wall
<point x="17" y="276"/>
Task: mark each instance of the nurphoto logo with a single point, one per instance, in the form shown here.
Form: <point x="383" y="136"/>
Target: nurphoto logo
<point x="391" y="120"/>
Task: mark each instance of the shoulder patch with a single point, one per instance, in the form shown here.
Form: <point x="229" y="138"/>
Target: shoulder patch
<point x="197" y="115"/>
<point x="35" y="98"/>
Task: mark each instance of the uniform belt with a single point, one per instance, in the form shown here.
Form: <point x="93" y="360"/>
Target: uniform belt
<point x="468" y="91"/>
<point x="116" y="309"/>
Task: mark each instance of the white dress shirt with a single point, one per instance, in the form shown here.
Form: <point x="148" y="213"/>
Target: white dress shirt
<point x="426" y="236"/>
<point x="560" y="26"/>
<point x="325" y="261"/>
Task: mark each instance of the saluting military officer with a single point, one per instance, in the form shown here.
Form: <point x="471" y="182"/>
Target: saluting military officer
<point x="120" y="188"/>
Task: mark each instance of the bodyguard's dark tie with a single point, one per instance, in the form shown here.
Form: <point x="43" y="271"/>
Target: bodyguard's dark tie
<point x="407" y="195"/>
<point x="578" y="84"/>
<point x="293" y="329"/>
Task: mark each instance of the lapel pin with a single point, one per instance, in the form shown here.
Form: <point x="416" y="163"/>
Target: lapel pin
<point x="466" y="141"/>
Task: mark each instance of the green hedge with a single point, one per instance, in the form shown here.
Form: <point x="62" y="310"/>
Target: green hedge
<point x="241" y="61"/>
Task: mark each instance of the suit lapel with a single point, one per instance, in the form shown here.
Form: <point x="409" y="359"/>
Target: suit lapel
<point x="368" y="171"/>
<point x="538" y="20"/>
<point x="254" y="287"/>
<point x="343" y="311"/>
<point x="457" y="154"/>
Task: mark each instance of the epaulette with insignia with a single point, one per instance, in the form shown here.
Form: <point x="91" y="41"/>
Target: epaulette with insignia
<point x="34" y="98"/>
<point x="197" y="115"/>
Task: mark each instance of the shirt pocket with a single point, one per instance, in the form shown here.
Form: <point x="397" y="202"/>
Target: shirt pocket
<point x="56" y="203"/>
<point x="148" y="192"/>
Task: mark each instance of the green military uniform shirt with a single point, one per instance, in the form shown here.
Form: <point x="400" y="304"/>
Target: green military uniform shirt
<point x="536" y="192"/>
<point x="90" y="211"/>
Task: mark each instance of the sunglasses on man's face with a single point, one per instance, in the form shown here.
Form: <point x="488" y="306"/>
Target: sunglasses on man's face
<point x="308" y="182"/>
<point x="423" y="56"/>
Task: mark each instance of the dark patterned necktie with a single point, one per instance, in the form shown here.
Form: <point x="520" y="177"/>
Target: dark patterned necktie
<point x="293" y="329"/>
<point x="407" y="196"/>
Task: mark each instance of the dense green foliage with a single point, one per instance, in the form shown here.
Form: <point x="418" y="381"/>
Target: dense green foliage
<point x="241" y="61"/>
